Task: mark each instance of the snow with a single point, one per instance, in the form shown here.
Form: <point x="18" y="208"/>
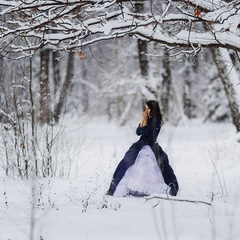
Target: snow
<point x="210" y="5"/>
<point x="205" y="158"/>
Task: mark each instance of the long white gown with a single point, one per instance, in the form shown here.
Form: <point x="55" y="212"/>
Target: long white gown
<point x="143" y="178"/>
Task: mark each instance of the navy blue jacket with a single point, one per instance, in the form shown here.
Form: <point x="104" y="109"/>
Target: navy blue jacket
<point x="150" y="132"/>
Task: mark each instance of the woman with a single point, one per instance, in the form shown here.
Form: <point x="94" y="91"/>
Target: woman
<point x="145" y="168"/>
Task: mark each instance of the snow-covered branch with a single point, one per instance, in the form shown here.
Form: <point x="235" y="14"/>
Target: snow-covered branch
<point x="74" y="24"/>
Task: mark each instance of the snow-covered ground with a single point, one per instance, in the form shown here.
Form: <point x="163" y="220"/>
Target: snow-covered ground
<point x="205" y="158"/>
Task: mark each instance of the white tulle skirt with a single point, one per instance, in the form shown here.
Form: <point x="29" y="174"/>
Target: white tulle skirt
<point x="143" y="178"/>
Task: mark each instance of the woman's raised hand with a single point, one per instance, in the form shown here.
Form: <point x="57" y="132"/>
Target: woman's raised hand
<point x="144" y="119"/>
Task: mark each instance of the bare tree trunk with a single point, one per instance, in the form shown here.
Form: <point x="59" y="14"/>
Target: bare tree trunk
<point x="1" y="69"/>
<point x="44" y="87"/>
<point x="56" y="70"/>
<point x="33" y="122"/>
<point x="188" y="103"/>
<point x="85" y="90"/>
<point x="142" y="55"/>
<point x="143" y="61"/>
<point x="166" y="84"/>
<point x="230" y="83"/>
<point x="142" y="46"/>
<point x="64" y="91"/>
<point x="1" y="84"/>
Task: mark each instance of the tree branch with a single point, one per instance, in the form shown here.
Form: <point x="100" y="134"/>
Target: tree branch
<point x="74" y="24"/>
<point x="168" y="198"/>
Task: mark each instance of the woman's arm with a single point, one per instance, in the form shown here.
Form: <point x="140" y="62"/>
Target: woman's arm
<point x="140" y="130"/>
<point x="143" y="124"/>
<point x="152" y="129"/>
<point x="144" y="119"/>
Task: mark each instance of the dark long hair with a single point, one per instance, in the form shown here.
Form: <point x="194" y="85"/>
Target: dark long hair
<point x="155" y="109"/>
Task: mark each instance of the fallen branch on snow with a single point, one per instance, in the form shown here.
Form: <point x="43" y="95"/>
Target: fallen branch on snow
<point x="174" y="199"/>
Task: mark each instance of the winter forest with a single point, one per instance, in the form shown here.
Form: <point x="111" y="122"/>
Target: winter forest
<point x="74" y="78"/>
